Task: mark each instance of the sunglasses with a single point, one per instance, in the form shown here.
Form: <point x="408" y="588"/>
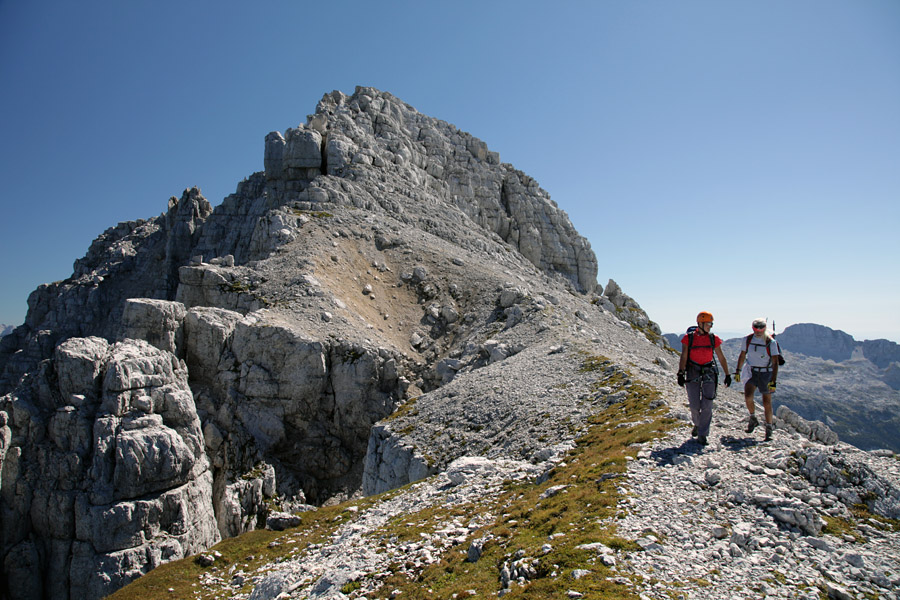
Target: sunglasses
<point x="759" y="327"/>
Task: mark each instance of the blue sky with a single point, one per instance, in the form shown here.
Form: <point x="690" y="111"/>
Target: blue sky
<point x="737" y="157"/>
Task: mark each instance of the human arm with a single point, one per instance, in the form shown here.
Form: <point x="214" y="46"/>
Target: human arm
<point x="774" y="372"/>
<point x="682" y="364"/>
<point x="721" y="357"/>
<point x="724" y="363"/>
<point x="740" y="363"/>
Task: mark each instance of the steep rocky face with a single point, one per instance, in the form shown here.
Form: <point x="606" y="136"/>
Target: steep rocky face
<point x="104" y="470"/>
<point x="881" y="352"/>
<point x="136" y="259"/>
<point x="408" y="150"/>
<point x="817" y="340"/>
<point x="380" y="255"/>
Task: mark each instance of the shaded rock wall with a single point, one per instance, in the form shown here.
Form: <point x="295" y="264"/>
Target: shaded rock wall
<point x="105" y="474"/>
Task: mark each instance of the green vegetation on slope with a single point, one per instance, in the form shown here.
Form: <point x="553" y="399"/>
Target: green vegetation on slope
<point x="530" y="527"/>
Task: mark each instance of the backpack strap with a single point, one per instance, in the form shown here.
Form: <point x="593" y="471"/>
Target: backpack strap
<point x="712" y="345"/>
<point x="749" y="340"/>
<point x="768" y="342"/>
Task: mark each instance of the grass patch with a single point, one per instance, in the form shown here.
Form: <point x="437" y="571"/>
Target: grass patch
<point x="526" y="520"/>
<point x="536" y="528"/>
<point x="236" y="286"/>
<point x="862" y="513"/>
<point x="840" y="527"/>
<point x="245" y="553"/>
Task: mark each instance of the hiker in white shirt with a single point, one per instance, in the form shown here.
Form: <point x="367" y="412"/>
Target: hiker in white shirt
<point x="760" y="371"/>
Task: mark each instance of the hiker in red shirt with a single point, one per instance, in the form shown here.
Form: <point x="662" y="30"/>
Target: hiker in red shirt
<point x="697" y="373"/>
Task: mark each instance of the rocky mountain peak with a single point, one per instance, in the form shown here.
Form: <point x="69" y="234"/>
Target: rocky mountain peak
<point x="385" y="303"/>
<point x="348" y="135"/>
<point x="217" y="358"/>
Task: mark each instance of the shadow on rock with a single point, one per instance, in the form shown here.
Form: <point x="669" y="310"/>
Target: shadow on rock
<point x="675" y="455"/>
<point x="736" y="444"/>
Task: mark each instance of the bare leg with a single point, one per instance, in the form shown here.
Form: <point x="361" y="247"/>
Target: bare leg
<point x="767" y="406"/>
<point x="749" y="390"/>
<point x="752" y="422"/>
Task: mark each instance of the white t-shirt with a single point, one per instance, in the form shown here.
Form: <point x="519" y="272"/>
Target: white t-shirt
<point x="756" y="351"/>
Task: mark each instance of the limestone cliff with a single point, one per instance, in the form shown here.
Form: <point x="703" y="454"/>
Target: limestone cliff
<point x="202" y="366"/>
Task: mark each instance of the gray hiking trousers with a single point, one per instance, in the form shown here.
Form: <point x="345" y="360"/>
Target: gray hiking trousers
<point x="701" y="391"/>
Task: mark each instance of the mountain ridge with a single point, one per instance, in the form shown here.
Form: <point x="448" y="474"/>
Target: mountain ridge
<point x="381" y="254"/>
<point x="386" y="307"/>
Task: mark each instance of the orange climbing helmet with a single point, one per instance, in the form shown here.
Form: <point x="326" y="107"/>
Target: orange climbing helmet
<point x="704" y="317"/>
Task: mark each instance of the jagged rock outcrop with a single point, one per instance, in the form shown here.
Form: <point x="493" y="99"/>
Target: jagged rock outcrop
<point x="627" y="308"/>
<point x="372" y="129"/>
<point x="814" y="430"/>
<point x="104" y="470"/>
<point x="850" y="481"/>
<point x="136" y="259"/>
<point x="351" y="275"/>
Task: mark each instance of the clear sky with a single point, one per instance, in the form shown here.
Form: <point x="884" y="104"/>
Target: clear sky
<point x="737" y="157"/>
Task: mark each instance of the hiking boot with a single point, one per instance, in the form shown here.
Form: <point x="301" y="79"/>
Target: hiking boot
<point x="768" y="431"/>
<point x="702" y="440"/>
<point x="694" y="431"/>
<point x="751" y="425"/>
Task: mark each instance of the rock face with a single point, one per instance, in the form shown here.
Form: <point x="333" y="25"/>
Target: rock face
<point x="385" y="302"/>
<point x="199" y="365"/>
<point x="883" y="353"/>
<point x="104" y="470"/>
<point x="817" y="340"/>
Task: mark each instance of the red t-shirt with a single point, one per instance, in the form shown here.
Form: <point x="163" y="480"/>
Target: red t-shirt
<point x="701" y="352"/>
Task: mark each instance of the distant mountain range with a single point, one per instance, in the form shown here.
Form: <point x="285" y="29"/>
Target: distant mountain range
<point x="6" y="329"/>
<point x="851" y="386"/>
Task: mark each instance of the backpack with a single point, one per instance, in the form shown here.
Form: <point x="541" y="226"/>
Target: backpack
<point x="709" y="371"/>
<point x="690" y="333"/>
<point x="769" y="340"/>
